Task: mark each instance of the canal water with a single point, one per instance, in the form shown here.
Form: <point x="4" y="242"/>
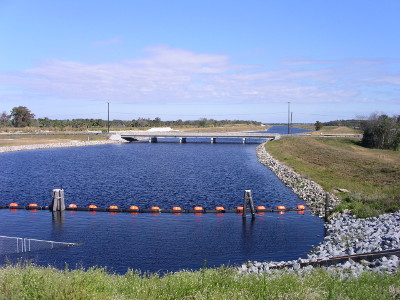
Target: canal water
<point x="143" y="174"/>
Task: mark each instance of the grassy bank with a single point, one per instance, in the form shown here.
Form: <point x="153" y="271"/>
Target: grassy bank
<point x="336" y="130"/>
<point x="29" y="282"/>
<point x="372" y="176"/>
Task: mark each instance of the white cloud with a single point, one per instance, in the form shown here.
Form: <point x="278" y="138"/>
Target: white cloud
<point x="177" y="75"/>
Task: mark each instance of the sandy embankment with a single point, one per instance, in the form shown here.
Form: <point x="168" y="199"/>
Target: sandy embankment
<point x="57" y="145"/>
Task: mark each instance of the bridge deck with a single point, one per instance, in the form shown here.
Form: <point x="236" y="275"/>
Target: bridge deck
<point x="178" y="134"/>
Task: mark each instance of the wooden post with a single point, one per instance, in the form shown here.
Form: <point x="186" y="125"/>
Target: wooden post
<point x="248" y="198"/>
<point x="58" y="203"/>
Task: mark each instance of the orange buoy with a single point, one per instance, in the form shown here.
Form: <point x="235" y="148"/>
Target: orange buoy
<point x="176" y="208"/>
<point x="134" y="207"/>
<point x="113" y="207"/>
<point x="33" y="205"/>
<point x="92" y="206"/>
<point x="72" y="206"/>
<point x="13" y="205"/>
<point x="281" y="207"/>
<point x="155" y="208"/>
<point x="301" y="207"/>
<point x="239" y="208"/>
<point x="198" y="208"/>
<point x="220" y="208"/>
<point x="261" y="207"/>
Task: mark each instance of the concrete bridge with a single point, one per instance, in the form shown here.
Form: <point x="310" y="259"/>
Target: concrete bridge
<point x="183" y="136"/>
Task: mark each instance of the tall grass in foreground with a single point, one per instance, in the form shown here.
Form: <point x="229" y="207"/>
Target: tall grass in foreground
<point x="372" y="176"/>
<point x="30" y="282"/>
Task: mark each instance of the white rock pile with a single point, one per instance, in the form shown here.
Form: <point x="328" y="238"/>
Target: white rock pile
<point x="346" y="235"/>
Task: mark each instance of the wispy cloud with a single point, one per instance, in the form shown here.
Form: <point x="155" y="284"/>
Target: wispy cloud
<point x="166" y="74"/>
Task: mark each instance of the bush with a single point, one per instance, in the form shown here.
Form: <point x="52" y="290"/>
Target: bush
<point x="381" y="132"/>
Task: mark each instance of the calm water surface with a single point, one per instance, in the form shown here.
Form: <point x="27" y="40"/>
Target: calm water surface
<point x="162" y="174"/>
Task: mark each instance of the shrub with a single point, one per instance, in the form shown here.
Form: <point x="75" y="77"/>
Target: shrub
<point x="381" y="132"/>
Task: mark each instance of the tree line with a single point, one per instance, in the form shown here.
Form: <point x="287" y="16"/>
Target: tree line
<point x="379" y="131"/>
<point x="21" y="116"/>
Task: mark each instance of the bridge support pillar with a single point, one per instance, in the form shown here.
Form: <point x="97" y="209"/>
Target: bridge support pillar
<point x="213" y="140"/>
<point x="153" y="140"/>
<point x="182" y="140"/>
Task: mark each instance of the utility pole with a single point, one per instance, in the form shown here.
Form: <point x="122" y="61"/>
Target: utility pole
<point x="291" y="120"/>
<point x="108" y="117"/>
<point x="288" y="119"/>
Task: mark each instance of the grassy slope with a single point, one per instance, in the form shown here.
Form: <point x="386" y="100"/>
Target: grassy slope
<point x="372" y="176"/>
<point x="336" y="130"/>
<point x="329" y="130"/>
<point x="45" y="283"/>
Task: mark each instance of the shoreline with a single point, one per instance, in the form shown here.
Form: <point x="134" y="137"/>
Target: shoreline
<point x="311" y="192"/>
<point x="345" y="233"/>
<point x="57" y="145"/>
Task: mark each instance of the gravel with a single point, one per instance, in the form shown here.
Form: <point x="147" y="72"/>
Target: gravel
<point x="345" y="235"/>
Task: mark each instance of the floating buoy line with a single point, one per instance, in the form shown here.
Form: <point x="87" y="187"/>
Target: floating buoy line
<point x="156" y="209"/>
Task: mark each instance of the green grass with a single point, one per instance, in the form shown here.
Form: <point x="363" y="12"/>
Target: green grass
<point x="30" y="282"/>
<point x="372" y="176"/>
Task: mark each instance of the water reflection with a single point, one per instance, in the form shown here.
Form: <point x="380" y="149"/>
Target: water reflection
<point x="58" y="218"/>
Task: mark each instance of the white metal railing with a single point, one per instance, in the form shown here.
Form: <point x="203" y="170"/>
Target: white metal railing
<point x="9" y="244"/>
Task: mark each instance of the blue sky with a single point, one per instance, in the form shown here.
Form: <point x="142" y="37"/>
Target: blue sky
<point x="201" y="59"/>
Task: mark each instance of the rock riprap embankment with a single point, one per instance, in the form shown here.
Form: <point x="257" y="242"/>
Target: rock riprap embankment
<point x="311" y="192"/>
<point x="347" y="235"/>
<point x="56" y="145"/>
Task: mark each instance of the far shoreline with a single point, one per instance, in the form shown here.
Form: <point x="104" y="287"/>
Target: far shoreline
<point x="8" y="149"/>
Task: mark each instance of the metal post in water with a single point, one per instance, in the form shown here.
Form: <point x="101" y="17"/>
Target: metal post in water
<point x="248" y="198"/>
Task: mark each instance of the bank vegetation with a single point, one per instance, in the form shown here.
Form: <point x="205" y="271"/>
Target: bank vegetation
<point x="367" y="180"/>
<point x="32" y="282"/>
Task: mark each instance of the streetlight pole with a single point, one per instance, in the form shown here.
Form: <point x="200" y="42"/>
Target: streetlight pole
<point x="108" y="117"/>
<point x="288" y="119"/>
